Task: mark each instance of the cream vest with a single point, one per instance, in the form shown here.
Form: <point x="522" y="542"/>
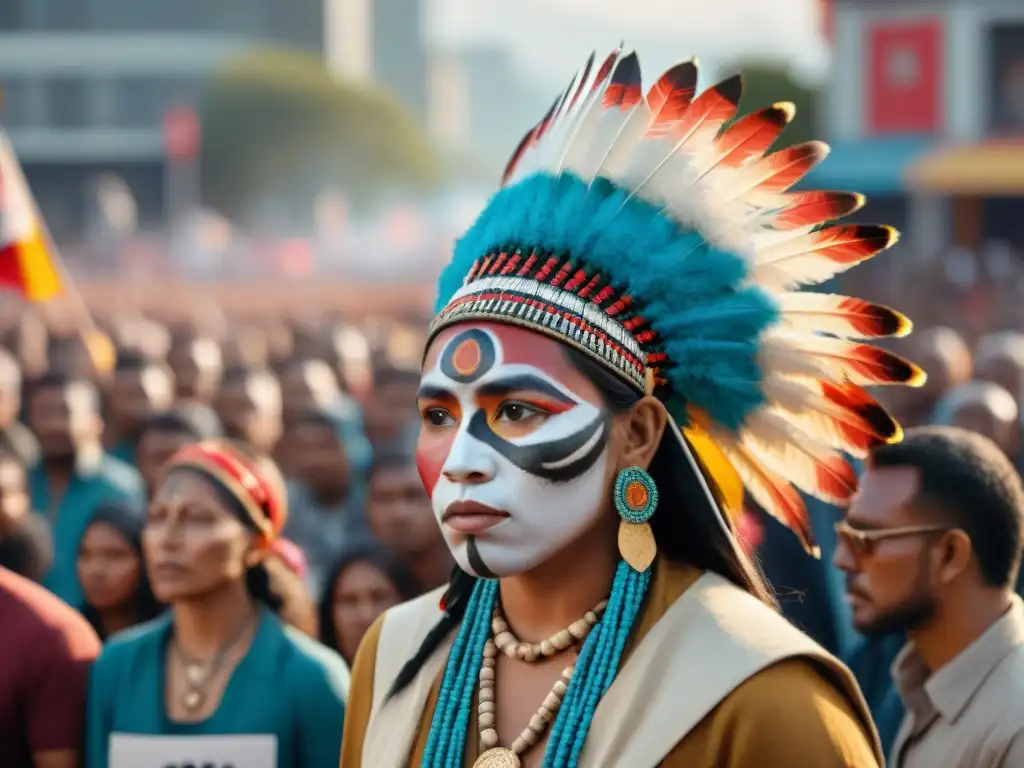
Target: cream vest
<point x="712" y="639"/>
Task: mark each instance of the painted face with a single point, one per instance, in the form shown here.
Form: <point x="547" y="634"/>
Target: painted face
<point x="513" y="447"/>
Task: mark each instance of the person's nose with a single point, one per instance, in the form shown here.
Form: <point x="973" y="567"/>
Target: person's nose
<point x="842" y="557"/>
<point x="469" y="461"/>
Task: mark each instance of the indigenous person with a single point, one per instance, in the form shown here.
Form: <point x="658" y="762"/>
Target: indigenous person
<point x="616" y="345"/>
<point x="931" y="547"/>
<point x="117" y="591"/>
<point x="220" y="663"/>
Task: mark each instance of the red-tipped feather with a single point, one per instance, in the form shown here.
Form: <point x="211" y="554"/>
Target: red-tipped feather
<point x="780" y="170"/>
<point x="606" y="68"/>
<point x="874" y="420"/>
<point x="844" y="316"/>
<point x="857" y="363"/>
<point x="773" y="494"/>
<point x="798" y="210"/>
<point x="581" y="83"/>
<point x="517" y="155"/>
<point x="710" y="111"/>
<point x="819" y="256"/>
<point x="750" y="137"/>
<point x="669" y="98"/>
<point x="624" y="91"/>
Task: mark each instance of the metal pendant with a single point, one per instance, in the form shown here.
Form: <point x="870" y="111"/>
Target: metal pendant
<point x="637" y="545"/>
<point x="195" y="674"/>
<point x="192" y="700"/>
<point x="498" y="757"/>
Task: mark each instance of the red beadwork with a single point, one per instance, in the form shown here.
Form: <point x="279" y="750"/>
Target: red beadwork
<point x="527" y="265"/>
<point x="562" y="274"/>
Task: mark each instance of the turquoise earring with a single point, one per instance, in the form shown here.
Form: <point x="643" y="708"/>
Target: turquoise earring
<point x="636" y="498"/>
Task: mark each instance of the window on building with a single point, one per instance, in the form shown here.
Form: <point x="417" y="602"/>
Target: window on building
<point x="67" y="102"/>
<point x="147" y="15"/>
<point x="142" y="102"/>
<point x="15" y="102"/>
<point x="59" y="14"/>
<point x="1007" y="85"/>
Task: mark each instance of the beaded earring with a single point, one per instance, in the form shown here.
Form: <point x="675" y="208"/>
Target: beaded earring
<point x="636" y="497"/>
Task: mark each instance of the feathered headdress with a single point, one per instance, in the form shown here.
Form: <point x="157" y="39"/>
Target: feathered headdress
<point x="645" y="233"/>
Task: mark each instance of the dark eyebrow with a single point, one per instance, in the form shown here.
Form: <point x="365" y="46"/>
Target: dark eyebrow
<point x="521" y="383"/>
<point x="428" y="392"/>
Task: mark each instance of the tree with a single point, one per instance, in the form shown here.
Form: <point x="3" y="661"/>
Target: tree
<point x="765" y="84"/>
<point x="276" y="126"/>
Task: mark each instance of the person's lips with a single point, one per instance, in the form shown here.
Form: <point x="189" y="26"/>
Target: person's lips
<point x="471" y="517"/>
<point x="169" y="570"/>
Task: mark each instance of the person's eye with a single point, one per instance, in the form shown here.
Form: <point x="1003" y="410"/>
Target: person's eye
<point x="438" y="417"/>
<point x="515" y="412"/>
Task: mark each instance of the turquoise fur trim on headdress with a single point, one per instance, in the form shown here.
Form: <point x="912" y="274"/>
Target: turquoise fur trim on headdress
<point x="691" y="293"/>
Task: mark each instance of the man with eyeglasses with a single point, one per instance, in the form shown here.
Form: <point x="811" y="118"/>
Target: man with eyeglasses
<point x="931" y="546"/>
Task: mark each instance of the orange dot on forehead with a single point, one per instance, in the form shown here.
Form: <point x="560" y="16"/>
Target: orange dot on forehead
<point x="466" y="357"/>
<point x="636" y="495"/>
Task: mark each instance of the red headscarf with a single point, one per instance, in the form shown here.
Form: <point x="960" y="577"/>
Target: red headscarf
<point x="240" y="476"/>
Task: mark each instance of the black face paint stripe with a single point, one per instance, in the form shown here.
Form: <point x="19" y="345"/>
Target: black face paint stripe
<point x="487" y="356"/>
<point x="428" y="392"/>
<point x="533" y="458"/>
<point x="475" y="561"/>
<point x="526" y="382"/>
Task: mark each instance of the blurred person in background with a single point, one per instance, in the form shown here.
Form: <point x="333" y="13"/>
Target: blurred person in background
<point x="985" y="408"/>
<point x="249" y="406"/>
<point x="945" y="357"/>
<point x="931" y="547"/>
<point x="197" y="365"/>
<point x="46" y="651"/>
<point x="11" y="404"/>
<point x="391" y="423"/>
<point x="116" y="589"/>
<point x="141" y="387"/>
<point x="326" y="499"/>
<point x="999" y="358"/>
<point x="221" y="661"/>
<point x="75" y="474"/>
<point x="363" y="583"/>
<point x="166" y="433"/>
<point x="26" y="547"/>
<point x="400" y="517"/>
<point x="246" y="347"/>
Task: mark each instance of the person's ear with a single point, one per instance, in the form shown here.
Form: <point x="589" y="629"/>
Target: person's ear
<point x="955" y="555"/>
<point x="644" y="425"/>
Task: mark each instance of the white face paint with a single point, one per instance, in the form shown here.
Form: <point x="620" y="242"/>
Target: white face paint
<point x="514" y="437"/>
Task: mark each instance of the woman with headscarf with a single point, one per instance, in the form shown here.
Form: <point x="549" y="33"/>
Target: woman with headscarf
<point x="365" y="581"/>
<point x="111" y="570"/>
<point x="221" y="679"/>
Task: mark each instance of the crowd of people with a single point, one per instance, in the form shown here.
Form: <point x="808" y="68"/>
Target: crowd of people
<point x="94" y="518"/>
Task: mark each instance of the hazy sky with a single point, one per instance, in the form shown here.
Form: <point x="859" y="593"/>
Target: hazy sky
<point x="551" y="38"/>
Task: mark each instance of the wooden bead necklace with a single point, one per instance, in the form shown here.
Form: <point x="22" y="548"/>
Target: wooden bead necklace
<point x="505" y="642"/>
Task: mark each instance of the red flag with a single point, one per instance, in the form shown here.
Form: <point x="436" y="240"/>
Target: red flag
<point x="905" y="77"/>
<point x="26" y="262"/>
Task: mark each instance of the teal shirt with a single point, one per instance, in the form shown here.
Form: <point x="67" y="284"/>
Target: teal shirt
<point x="287" y="686"/>
<point x="124" y="451"/>
<point x="110" y="480"/>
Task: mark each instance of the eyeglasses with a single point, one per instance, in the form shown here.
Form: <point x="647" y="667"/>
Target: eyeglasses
<point x="862" y="542"/>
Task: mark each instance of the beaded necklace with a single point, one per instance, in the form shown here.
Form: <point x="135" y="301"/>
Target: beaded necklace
<point x="595" y="670"/>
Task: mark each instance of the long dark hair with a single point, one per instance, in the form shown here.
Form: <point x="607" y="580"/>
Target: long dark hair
<point x="686" y="526"/>
<point x="128" y="522"/>
<point x="364" y="552"/>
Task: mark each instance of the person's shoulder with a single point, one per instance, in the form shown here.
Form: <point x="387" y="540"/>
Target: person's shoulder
<point x="121" y="478"/>
<point x="44" y="614"/>
<point x="311" y="666"/>
<point x="1001" y="696"/>
<point x="133" y="642"/>
<point x="797" y="699"/>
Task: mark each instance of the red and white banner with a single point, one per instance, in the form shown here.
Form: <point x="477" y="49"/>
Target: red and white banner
<point x="905" y="76"/>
